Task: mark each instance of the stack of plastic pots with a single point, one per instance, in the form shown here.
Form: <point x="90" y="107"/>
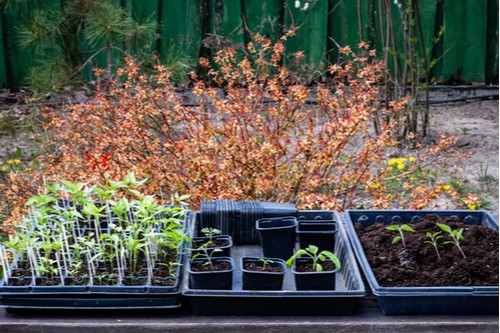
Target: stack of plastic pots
<point x="237" y="219"/>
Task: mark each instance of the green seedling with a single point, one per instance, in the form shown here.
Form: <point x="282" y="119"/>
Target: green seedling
<point x="210" y="233"/>
<point x="433" y="238"/>
<point x="141" y="233"/>
<point x="206" y="254"/>
<point x="317" y="258"/>
<point x="265" y="262"/>
<point x="400" y="229"/>
<point x="456" y="236"/>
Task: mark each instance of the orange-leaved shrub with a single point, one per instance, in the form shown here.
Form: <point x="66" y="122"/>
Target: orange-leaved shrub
<point x="252" y="133"/>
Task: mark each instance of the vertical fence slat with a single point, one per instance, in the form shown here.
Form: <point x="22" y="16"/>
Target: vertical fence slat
<point x="491" y="76"/>
<point x="428" y="20"/>
<point x="312" y="36"/>
<point x="264" y="17"/>
<point x="4" y="75"/>
<point x="20" y="60"/>
<point x="180" y="29"/>
<point x="437" y="49"/>
<point x="465" y="40"/>
<point x="474" y="63"/>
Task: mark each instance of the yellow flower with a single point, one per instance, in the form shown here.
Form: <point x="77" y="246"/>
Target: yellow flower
<point x="376" y="185"/>
<point x="401" y="166"/>
<point x="5" y="168"/>
<point x="446" y="187"/>
<point x="389" y="196"/>
<point x="10" y="161"/>
<point x="400" y="160"/>
<point x="412" y="159"/>
<point x="472" y="207"/>
<point x="398" y="179"/>
<point x="17" y="161"/>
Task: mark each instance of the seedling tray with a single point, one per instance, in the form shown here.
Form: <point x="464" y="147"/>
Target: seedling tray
<point x="423" y="300"/>
<point x="88" y="297"/>
<point x="288" y="301"/>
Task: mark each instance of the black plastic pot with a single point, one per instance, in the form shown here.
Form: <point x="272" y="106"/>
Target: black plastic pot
<point x="317" y="232"/>
<point x="263" y="280"/>
<point x="323" y="280"/>
<point x="220" y="280"/>
<point x="223" y="251"/>
<point x="277" y="236"/>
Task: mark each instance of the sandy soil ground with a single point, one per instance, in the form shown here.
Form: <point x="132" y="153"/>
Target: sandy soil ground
<point x="476" y="125"/>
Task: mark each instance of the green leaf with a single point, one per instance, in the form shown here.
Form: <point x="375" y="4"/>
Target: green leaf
<point x="300" y="252"/>
<point x="444" y="227"/>
<point x="312" y="249"/>
<point x="396" y="239"/>
<point x="18" y="152"/>
<point x="406" y="227"/>
<point x="333" y="258"/>
<point x="392" y="228"/>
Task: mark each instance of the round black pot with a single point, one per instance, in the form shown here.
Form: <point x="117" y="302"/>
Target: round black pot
<point x="277" y="236"/>
<point x="220" y="280"/>
<point x="262" y="280"/>
<point x="324" y="280"/>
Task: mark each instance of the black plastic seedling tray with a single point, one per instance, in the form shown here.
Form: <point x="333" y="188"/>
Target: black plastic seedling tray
<point x="91" y="297"/>
<point x="423" y="300"/>
<point x="288" y="301"/>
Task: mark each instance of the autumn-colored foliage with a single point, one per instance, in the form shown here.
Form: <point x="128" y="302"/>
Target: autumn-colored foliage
<point x="253" y="133"/>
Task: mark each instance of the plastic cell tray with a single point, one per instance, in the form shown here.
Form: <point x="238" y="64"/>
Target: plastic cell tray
<point x="89" y="297"/>
<point x="288" y="301"/>
<point x="423" y="300"/>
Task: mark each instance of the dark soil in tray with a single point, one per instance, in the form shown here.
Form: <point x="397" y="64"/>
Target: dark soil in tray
<point x="214" y="243"/>
<point x="418" y="264"/>
<point x="162" y="282"/>
<point x="201" y="267"/>
<point x="250" y="266"/>
<point x="308" y="267"/>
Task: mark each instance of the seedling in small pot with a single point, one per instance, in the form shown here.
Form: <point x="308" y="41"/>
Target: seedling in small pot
<point x="206" y="254"/>
<point x="265" y="262"/>
<point x="400" y="229"/>
<point x="317" y="258"/>
<point x="456" y="236"/>
<point x="433" y="238"/>
<point x="210" y="233"/>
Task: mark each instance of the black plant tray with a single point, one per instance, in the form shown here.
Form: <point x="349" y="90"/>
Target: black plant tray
<point x="288" y="301"/>
<point x="423" y="300"/>
<point x="97" y="297"/>
<point x="92" y="297"/>
<point x="90" y="301"/>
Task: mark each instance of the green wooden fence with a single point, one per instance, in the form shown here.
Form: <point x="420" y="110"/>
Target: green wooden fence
<point x="466" y="50"/>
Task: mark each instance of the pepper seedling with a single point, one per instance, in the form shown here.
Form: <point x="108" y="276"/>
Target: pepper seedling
<point x="265" y="262"/>
<point x="456" y="236"/>
<point x="400" y="229"/>
<point x="433" y="238"/>
<point x="312" y="252"/>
